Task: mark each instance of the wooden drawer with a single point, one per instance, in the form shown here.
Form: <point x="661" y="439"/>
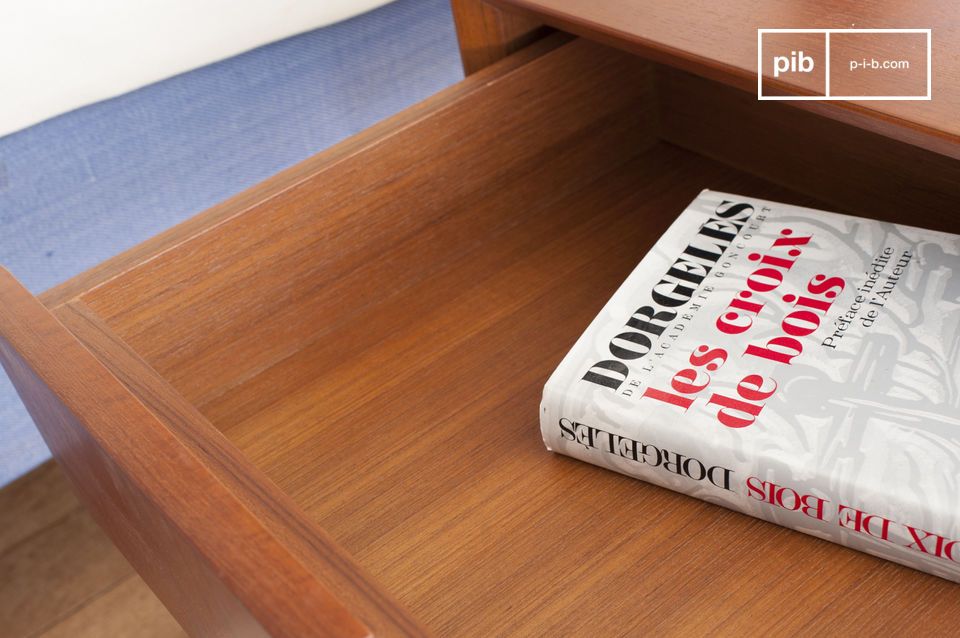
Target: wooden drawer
<point x="312" y="410"/>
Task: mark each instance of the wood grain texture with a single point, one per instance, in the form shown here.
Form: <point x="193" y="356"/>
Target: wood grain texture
<point x="718" y="40"/>
<point x="849" y="168"/>
<point x="61" y="576"/>
<point x="327" y="561"/>
<point x="258" y="287"/>
<point x="487" y="34"/>
<point x="281" y="184"/>
<point x="209" y="559"/>
<point x="299" y="534"/>
<point x="400" y="412"/>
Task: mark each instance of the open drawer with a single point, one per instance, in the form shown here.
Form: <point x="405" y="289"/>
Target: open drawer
<point x="312" y="410"/>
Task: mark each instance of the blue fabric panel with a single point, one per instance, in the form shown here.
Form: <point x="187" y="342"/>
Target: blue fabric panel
<point x="81" y="187"/>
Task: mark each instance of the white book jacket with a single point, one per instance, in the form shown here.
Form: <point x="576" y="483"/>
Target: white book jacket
<point x="796" y="365"/>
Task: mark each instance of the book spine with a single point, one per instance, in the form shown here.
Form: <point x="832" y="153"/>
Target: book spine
<point x="762" y="487"/>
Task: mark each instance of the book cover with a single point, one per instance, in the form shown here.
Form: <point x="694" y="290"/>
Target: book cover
<point x="792" y="364"/>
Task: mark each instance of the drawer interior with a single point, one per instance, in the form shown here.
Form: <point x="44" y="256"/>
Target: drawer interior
<point x="375" y="335"/>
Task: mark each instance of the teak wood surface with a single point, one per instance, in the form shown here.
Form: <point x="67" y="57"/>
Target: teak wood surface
<point x="718" y="40"/>
<point x="352" y="354"/>
<point x="194" y="542"/>
<point x="487" y="34"/>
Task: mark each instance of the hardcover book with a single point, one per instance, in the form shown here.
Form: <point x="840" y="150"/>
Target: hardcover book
<point x="792" y="364"/>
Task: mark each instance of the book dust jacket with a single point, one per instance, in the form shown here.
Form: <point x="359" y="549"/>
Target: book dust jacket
<point x="796" y="365"/>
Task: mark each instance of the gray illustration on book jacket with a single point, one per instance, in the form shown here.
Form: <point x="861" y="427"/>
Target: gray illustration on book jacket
<point x="796" y="365"/>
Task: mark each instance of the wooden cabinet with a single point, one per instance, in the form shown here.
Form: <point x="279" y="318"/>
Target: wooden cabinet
<point x="312" y="410"/>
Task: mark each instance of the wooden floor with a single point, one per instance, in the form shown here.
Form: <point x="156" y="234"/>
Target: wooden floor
<point x="61" y="576"/>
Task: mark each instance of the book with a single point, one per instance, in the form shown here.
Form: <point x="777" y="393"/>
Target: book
<point x="792" y="364"/>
